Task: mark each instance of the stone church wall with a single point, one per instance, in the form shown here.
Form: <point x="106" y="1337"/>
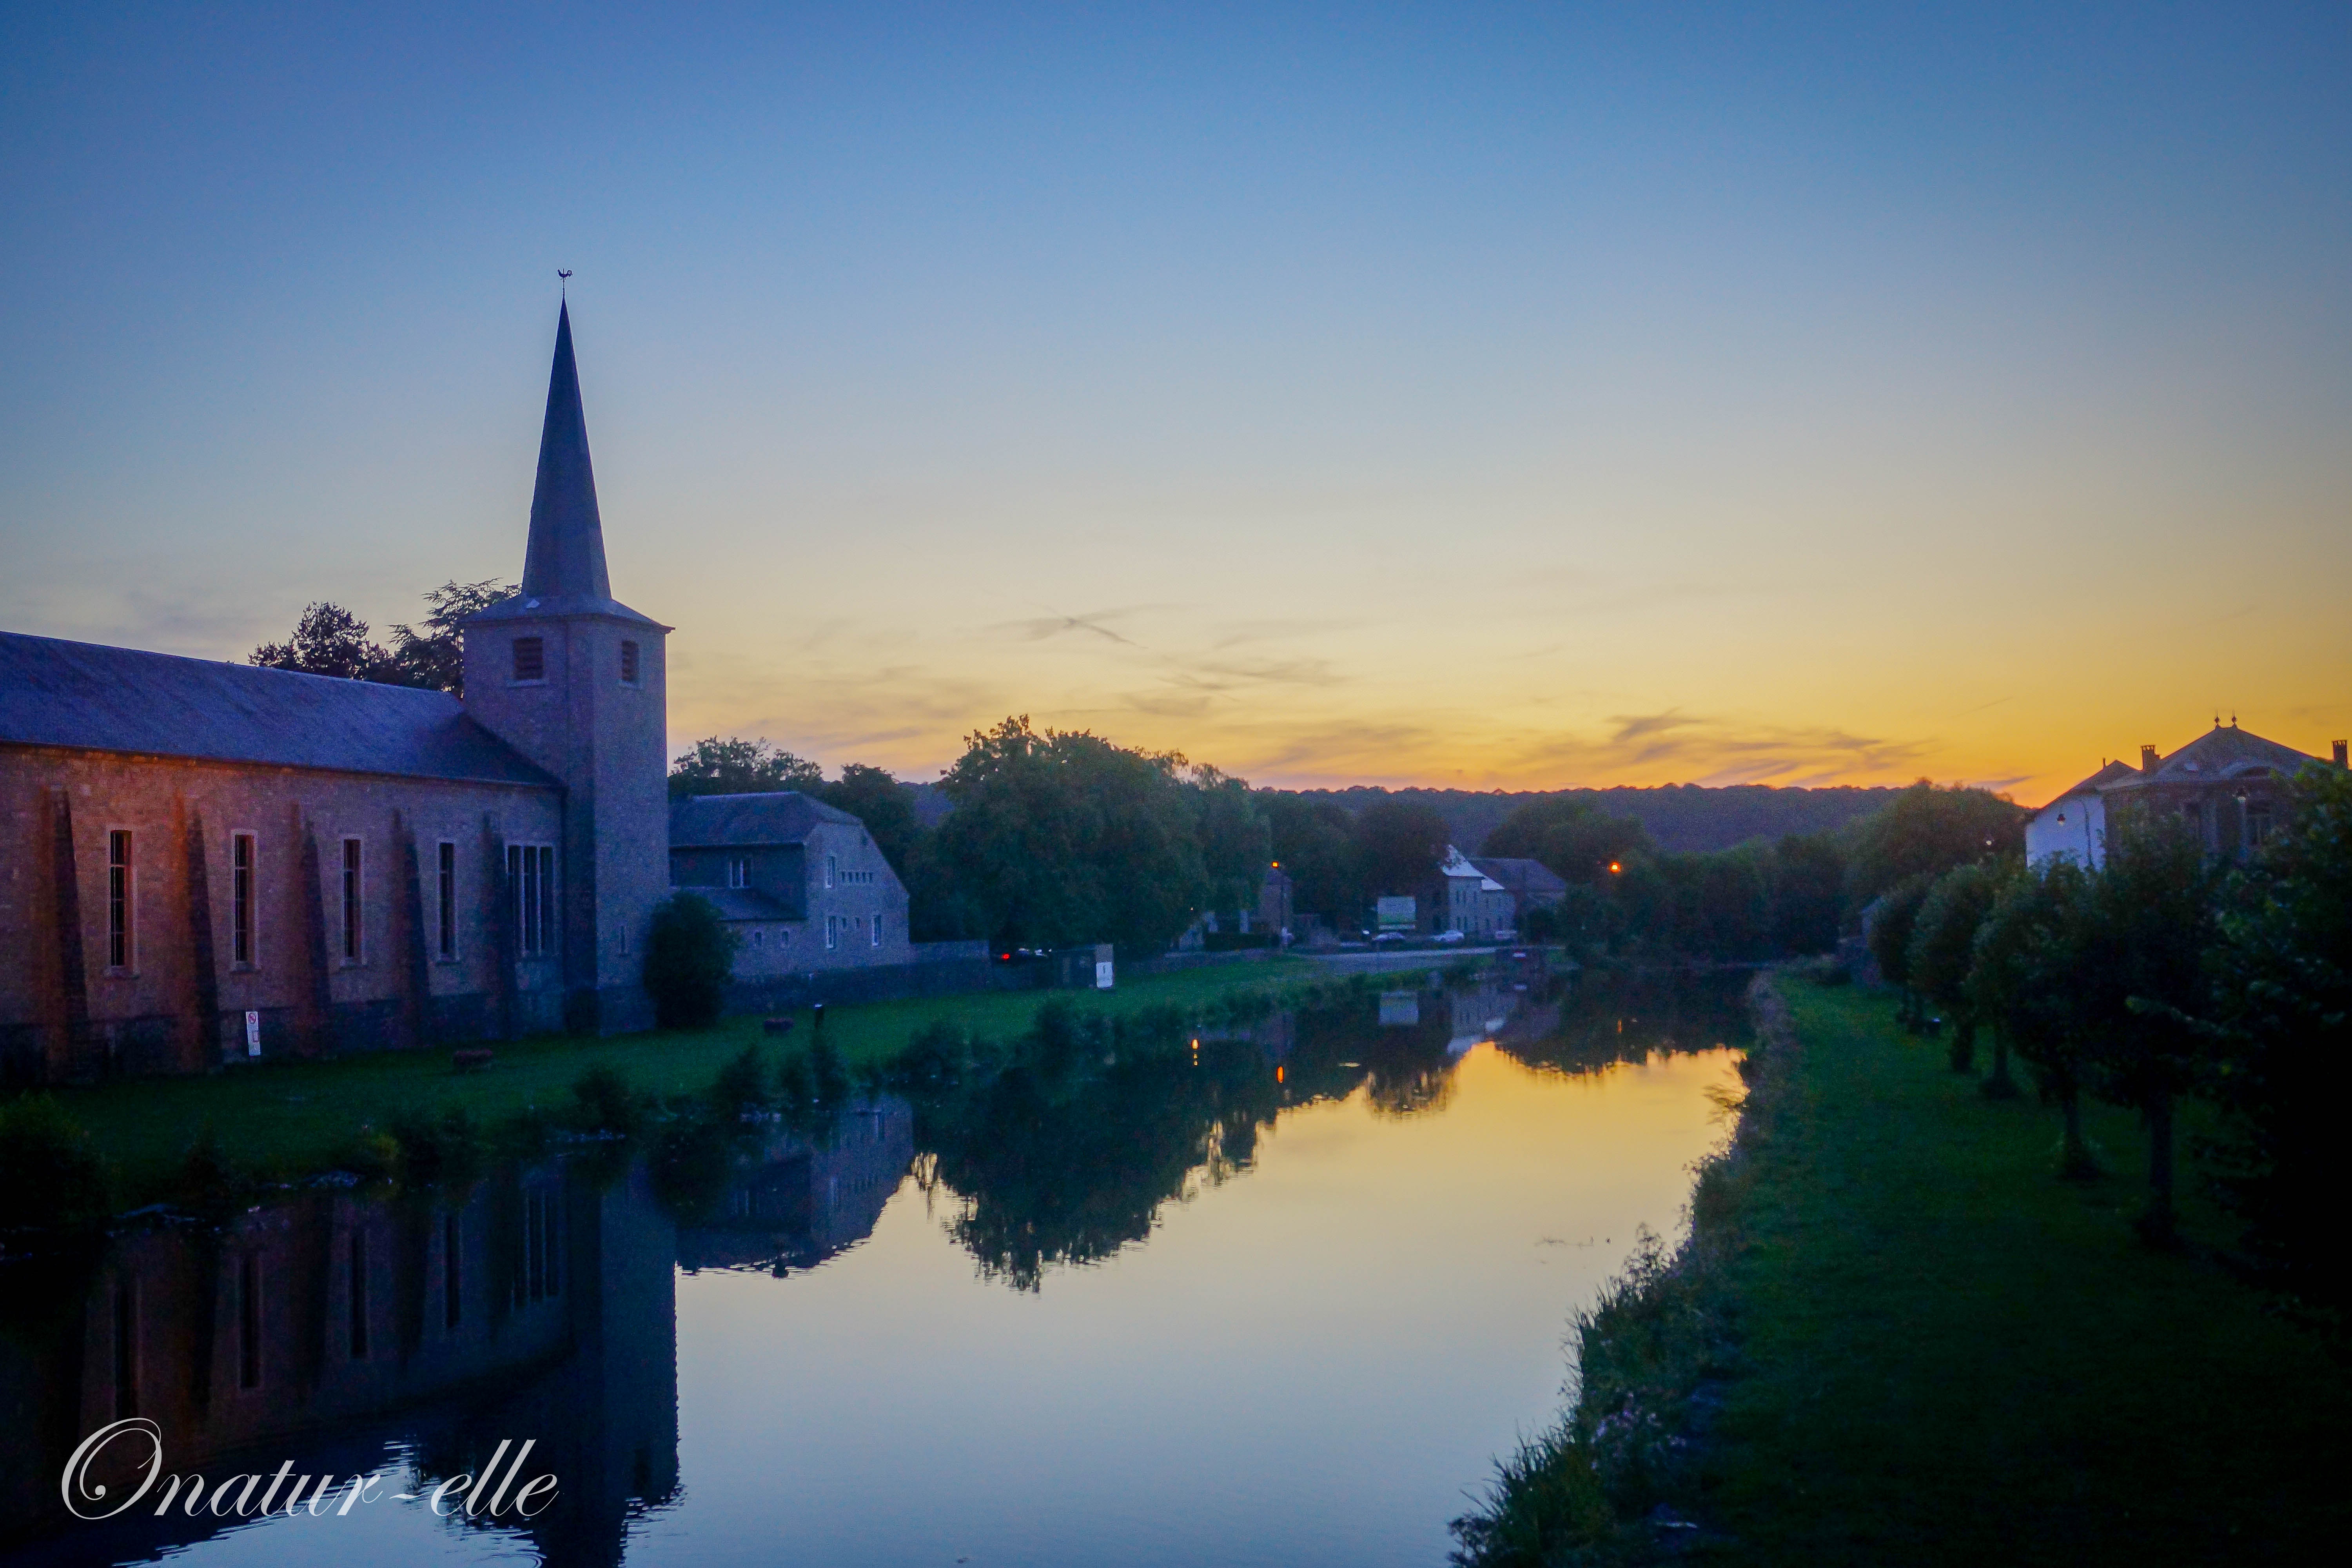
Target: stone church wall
<point x="180" y="1001"/>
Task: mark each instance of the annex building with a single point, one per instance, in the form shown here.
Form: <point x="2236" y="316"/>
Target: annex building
<point x="203" y="861"/>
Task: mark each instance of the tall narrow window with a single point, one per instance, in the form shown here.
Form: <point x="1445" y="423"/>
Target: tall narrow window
<point x="359" y="1295"/>
<point x="117" y="900"/>
<point x="248" y="1322"/>
<point x="531" y="874"/>
<point x="240" y="917"/>
<point x="628" y="664"/>
<point x="452" y="1274"/>
<point x="529" y="659"/>
<point x="2258" y="824"/>
<point x="351" y="949"/>
<point x="832" y="868"/>
<point x="739" y="872"/>
<point x="444" y="883"/>
<point x="831" y="932"/>
<point x="875" y="932"/>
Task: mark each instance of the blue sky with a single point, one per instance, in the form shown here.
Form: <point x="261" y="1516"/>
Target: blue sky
<point x="1502" y="397"/>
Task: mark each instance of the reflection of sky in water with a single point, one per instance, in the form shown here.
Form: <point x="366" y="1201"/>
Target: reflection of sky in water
<point x="1307" y="1364"/>
<point x="1308" y="1356"/>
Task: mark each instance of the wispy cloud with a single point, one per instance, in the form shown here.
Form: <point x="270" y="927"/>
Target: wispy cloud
<point x="1055" y="624"/>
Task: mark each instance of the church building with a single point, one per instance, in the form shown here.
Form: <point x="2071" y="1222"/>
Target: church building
<point x="202" y="862"/>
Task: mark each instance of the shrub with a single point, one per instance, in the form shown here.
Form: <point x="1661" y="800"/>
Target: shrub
<point x="51" y="1177"/>
<point x="741" y="1085"/>
<point x="208" y="1179"/>
<point x="689" y="958"/>
<point x="606" y="1104"/>
<point x="434" y="1150"/>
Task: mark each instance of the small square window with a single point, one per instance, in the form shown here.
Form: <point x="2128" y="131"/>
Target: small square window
<point x="529" y="659"/>
<point x="628" y="664"/>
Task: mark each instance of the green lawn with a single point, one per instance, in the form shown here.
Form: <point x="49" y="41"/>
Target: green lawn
<point x="1952" y="1357"/>
<point x="292" y="1117"/>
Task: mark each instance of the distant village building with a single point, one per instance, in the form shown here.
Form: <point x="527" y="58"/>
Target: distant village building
<point x="801" y="882"/>
<point x="1467" y="900"/>
<point x="2226" y="787"/>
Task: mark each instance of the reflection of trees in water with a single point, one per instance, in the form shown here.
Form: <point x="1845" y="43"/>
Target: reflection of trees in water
<point x="1064" y="1146"/>
<point x="1065" y="1151"/>
<point x="1603" y="1018"/>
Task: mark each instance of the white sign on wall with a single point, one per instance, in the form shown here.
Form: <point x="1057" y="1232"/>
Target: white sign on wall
<point x="252" y="1033"/>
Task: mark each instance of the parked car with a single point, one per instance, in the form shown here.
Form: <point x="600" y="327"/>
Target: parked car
<point x="1447" y="936"/>
<point x="1389" y="939"/>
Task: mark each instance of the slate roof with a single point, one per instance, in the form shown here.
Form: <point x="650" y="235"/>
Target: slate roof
<point x="2112" y="772"/>
<point x="91" y="697"/>
<point x="2224" y="751"/>
<point x="1457" y="864"/>
<point x="723" y="821"/>
<point x="1521" y="875"/>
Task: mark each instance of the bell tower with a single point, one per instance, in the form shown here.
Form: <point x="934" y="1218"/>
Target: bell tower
<point x="573" y="679"/>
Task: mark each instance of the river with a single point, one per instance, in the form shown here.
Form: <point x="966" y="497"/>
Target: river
<point x="1272" y="1293"/>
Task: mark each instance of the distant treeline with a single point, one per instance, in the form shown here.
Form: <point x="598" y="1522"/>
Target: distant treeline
<point x="1629" y="897"/>
<point x="1045" y="837"/>
<point x="1690" y="819"/>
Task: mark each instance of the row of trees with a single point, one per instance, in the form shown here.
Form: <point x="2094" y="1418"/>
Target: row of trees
<point x="2160" y="975"/>
<point x="1758" y="901"/>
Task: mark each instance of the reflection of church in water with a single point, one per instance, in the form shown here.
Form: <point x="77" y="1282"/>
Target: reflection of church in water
<point x="345" y="1330"/>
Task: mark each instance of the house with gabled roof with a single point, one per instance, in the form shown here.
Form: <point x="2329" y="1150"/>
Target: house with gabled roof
<point x="803" y="884"/>
<point x="2226" y="787"/>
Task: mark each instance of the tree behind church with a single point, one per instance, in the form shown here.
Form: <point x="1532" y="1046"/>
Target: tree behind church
<point x="331" y="640"/>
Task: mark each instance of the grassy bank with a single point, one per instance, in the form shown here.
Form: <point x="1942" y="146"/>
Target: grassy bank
<point x="1909" y="1343"/>
<point x="285" y="1118"/>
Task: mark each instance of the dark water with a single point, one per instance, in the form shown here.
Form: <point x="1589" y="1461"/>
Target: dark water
<point x="1272" y="1293"/>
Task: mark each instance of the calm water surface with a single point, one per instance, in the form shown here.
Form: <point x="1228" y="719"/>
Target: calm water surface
<point x="1277" y="1293"/>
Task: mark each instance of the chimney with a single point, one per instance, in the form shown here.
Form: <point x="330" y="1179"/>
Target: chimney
<point x="2339" y="753"/>
<point x="2147" y="759"/>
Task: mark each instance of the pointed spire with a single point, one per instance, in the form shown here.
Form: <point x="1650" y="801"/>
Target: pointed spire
<point x="566" y="555"/>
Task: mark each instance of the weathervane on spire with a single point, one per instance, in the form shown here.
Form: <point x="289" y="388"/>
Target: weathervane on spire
<point x="565" y="288"/>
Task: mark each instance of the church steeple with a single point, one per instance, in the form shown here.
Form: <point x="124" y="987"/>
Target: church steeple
<point x="565" y="558"/>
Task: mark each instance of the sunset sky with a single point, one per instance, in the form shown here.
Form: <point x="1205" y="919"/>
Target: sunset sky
<point x="1486" y="396"/>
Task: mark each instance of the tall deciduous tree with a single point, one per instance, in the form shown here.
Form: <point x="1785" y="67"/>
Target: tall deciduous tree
<point x="1400" y="844"/>
<point x="1314" y="841"/>
<point x="2282" y="984"/>
<point x="2150" y="918"/>
<point x="332" y="641"/>
<point x="1926" y="831"/>
<point x="1892" y="921"/>
<point x="1061" y="836"/>
<point x="1943" y="949"/>
<point x="1808" y="888"/>
<point x="2027" y="981"/>
<point x="435" y="657"/>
